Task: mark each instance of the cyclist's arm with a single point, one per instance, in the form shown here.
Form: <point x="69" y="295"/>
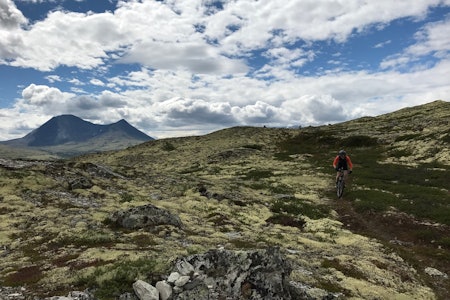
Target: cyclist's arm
<point x="349" y="163"/>
<point x="335" y="162"/>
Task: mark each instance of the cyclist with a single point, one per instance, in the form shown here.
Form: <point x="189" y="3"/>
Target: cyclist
<point x="343" y="161"/>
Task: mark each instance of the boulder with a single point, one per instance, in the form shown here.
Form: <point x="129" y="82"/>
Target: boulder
<point x="164" y="289"/>
<point x="145" y="291"/>
<point x="145" y="216"/>
<point x="262" y="274"/>
<point x="256" y="274"/>
<point x="80" y="183"/>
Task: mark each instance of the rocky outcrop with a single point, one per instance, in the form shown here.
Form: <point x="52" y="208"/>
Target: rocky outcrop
<point x="224" y="274"/>
<point x="21" y="293"/>
<point x="146" y="216"/>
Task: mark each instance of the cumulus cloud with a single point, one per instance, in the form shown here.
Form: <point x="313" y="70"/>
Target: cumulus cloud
<point x="181" y="112"/>
<point x="43" y="96"/>
<point x="165" y="35"/>
<point x="431" y="40"/>
<point x="10" y="16"/>
<point x="97" y="82"/>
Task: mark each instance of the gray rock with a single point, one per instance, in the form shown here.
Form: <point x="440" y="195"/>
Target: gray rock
<point x="164" y="289"/>
<point x="435" y="272"/>
<point x="184" y="267"/>
<point x="173" y="277"/>
<point x="145" y="291"/>
<point x="145" y="216"/>
<point x="77" y="295"/>
<point x="80" y="183"/>
<point x="182" y="280"/>
<point x="258" y="274"/>
<point x="128" y="296"/>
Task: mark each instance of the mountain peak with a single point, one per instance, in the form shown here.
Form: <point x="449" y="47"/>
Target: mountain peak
<point x="67" y="128"/>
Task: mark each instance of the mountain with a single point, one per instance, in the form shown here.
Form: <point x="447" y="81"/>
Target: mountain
<point x="98" y="222"/>
<point x="68" y="135"/>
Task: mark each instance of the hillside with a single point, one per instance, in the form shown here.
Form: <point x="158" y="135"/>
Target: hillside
<point x="242" y="188"/>
<point x="67" y="136"/>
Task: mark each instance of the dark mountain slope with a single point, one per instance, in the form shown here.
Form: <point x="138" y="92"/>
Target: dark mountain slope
<point x="63" y="129"/>
<point x="68" y="135"/>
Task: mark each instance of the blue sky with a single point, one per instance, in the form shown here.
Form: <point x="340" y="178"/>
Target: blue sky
<point x="176" y="67"/>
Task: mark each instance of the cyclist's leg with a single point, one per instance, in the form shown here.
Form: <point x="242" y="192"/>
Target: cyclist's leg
<point x="345" y="176"/>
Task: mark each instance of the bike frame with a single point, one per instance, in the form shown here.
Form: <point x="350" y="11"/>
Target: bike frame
<point x="340" y="184"/>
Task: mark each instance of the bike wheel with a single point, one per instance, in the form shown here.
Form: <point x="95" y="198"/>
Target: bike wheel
<point x="340" y="188"/>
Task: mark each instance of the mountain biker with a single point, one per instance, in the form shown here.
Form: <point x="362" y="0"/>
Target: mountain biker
<point x="343" y="161"/>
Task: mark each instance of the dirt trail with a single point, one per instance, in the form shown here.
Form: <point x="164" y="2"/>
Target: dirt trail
<point x="399" y="232"/>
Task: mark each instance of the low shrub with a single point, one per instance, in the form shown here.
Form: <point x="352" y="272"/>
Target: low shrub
<point x="359" y="141"/>
<point x="110" y="281"/>
<point x="297" y="207"/>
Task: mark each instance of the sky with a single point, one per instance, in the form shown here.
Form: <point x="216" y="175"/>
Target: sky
<point x="175" y="68"/>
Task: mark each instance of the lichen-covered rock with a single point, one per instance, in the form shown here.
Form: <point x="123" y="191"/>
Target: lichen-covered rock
<point x="256" y="274"/>
<point x="225" y="274"/>
<point x="145" y="216"/>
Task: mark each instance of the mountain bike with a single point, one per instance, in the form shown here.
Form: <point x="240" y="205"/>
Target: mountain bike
<point x="340" y="184"/>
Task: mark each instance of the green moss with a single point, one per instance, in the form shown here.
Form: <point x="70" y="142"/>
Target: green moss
<point x="110" y="281"/>
<point x="126" y="197"/>
<point x="356" y="141"/>
<point x="372" y="200"/>
<point x="294" y="206"/>
<point x="168" y="146"/>
<point x="347" y="269"/>
<point x="407" y="137"/>
<point x="257" y="174"/>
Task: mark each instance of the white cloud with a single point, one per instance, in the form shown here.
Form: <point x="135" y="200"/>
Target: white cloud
<point x="97" y="82"/>
<point x="10" y="16"/>
<point x="41" y="96"/>
<point x="53" y="78"/>
<point x="382" y="44"/>
<point x="430" y="40"/>
<point x="163" y="35"/>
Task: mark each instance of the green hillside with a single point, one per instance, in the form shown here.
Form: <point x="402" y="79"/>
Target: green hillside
<point x="243" y="188"/>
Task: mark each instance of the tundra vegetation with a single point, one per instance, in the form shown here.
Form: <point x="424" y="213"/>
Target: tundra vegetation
<point x="242" y="188"/>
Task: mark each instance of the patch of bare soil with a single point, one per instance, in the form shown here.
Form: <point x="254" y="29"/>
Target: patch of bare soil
<point x="416" y="241"/>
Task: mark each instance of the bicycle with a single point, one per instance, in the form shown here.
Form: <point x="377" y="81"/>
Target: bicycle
<point x="340" y="184"/>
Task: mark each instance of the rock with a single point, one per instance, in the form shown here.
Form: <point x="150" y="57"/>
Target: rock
<point x="164" y="289"/>
<point x="98" y="170"/>
<point x="182" y="281"/>
<point x="145" y="216"/>
<point x="184" y="267"/>
<point x="76" y="295"/>
<point x="173" y="277"/>
<point x="145" y="291"/>
<point x="12" y="293"/>
<point x="80" y="183"/>
<point x="257" y="274"/>
<point x="435" y="273"/>
<point x="128" y="296"/>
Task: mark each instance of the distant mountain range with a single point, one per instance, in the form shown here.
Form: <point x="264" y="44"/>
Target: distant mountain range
<point x="68" y="135"/>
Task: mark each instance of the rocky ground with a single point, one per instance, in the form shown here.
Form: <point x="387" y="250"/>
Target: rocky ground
<point x="102" y="222"/>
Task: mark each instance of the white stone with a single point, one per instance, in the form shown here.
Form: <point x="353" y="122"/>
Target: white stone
<point x="173" y="277"/>
<point x="164" y="289"/>
<point x="435" y="272"/>
<point x="182" y="280"/>
<point x="145" y="291"/>
<point x="184" y="267"/>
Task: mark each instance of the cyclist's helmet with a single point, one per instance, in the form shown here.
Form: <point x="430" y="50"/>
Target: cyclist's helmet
<point x="342" y="152"/>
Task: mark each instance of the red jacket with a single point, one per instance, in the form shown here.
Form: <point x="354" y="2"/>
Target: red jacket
<point x="347" y="158"/>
